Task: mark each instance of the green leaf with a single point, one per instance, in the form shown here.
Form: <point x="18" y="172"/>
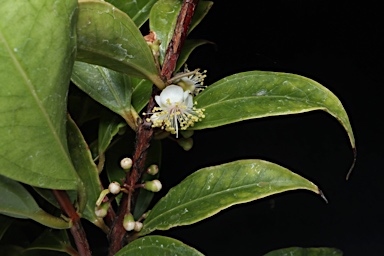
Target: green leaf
<point x="297" y="251"/>
<point x="157" y="245"/>
<point x="188" y="48"/>
<point x="162" y="20"/>
<point x="52" y="240"/>
<point x="257" y="94"/>
<point x="87" y="171"/>
<point x="201" y="10"/>
<point x="109" y="126"/>
<point x="35" y="66"/>
<point x="142" y="91"/>
<point x="17" y="202"/>
<point x="138" y="10"/>
<point x="212" y="189"/>
<point x="110" y="88"/>
<point x="109" y="38"/>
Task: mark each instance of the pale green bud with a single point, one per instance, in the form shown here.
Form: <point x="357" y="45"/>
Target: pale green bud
<point x="102" y="210"/>
<point x="138" y="226"/>
<point x="114" y="188"/>
<point x="129" y="222"/>
<point x="153" y="169"/>
<point x="186" y="144"/>
<point x="126" y="163"/>
<point x="187" y="133"/>
<point x="154" y="185"/>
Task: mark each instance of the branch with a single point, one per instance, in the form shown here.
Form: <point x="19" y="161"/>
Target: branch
<point x="175" y="45"/>
<point x="77" y="230"/>
<point x="145" y="132"/>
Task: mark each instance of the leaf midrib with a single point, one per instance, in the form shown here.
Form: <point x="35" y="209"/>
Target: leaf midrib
<point x="30" y="87"/>
<point x="215" y="194"/>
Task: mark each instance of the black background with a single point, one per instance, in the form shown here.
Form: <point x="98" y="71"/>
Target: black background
<point x="337" y="43"/>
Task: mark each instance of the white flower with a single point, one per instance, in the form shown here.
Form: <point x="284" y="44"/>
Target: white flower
<point x="175" y="109"/>
<point x="193" y="82"/>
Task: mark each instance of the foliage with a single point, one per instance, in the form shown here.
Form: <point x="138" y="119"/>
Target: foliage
<point x="89" y="58"/>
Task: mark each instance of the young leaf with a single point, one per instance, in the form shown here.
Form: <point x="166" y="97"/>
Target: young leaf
<point x="212" y="189"/>
<point x="257" y="94"/>
<point x="110" y="88"/>
<point x="157" y="245"/>
<point x="86" y="168"/>
<point x="162" y="20"/>
<point x="109" y="38"/>
<point x="109" y="126"/>
<point x="297" y="251"/>
<point x="137" y="10"/>
<point x="37" y="46"/>
<point x="202" y="9"/>
<point x="15" y="201"/>
<point x="188" y="48"/>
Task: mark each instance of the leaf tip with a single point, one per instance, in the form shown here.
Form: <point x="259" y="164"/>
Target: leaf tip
<point x="353" y="163"/>
<point x="322" y="195"/>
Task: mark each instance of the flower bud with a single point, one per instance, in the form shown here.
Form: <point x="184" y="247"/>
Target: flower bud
<point x="154" y="185"/>
<point x="153" y="169"/>
<point x="138" y="226"/>
<point x="186" y="144"/>
<point x="126" y="163"/>
<point x="114" y="188"/>
<point x="187" y="133"/>
<point x="101" y="211"/>
<point x="129" y="222"/>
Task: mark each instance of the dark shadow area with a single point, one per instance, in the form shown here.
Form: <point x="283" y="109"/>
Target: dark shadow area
<point x="340" y="46"/>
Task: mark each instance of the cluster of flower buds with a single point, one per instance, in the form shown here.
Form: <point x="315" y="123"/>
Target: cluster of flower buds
<point x="130" y="224"/>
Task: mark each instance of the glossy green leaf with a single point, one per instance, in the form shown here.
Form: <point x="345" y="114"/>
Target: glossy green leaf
<point x="17" y="202"/>
<point x="138" y="10"/>
<point x="142" y="91"/>
<point x="162" y="20"/>
<point x="157" y="245"/>
<point x="201" y="10"/>
<point x="52" y="240"/>
<point x="110" y="88"/>
<point x="109" y="126"/>
<point x="212" y="189"/>
<point x="35" y="66"/>
<point x="109" y="38"/>
<point x="188" y="48"/>
<point x="86" y="168"/>
<point x="257" y="94"/>
<point x="297" y="251"/>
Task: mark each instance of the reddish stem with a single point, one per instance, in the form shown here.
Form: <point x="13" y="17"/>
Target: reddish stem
<point x="175" y="45"/>
<point x="145" y="132"/>
<point x="77" y="230"/>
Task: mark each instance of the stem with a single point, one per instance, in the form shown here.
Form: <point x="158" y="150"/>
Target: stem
<point x="178" y="39"/>
<point x="77" y="230"/>
<point x="145" y="132"/>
